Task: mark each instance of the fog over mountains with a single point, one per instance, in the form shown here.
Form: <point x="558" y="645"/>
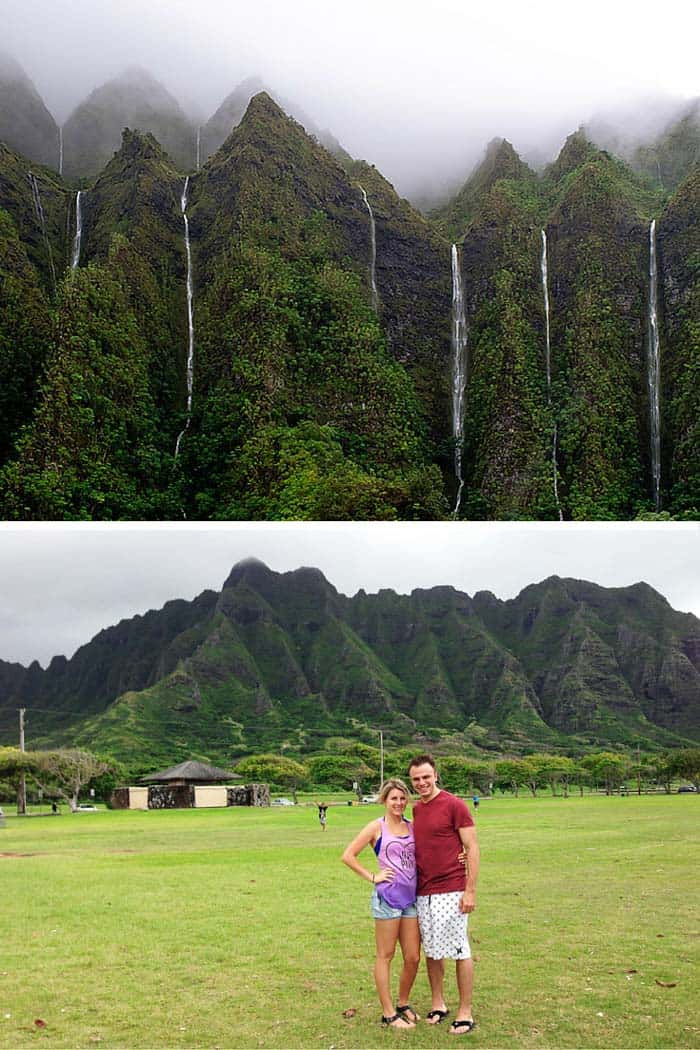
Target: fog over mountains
<point x="419" y="97"/>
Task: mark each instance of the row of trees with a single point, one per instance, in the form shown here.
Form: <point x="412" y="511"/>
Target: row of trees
<point x="60" y="774"/>
<point x="604" y="770"/>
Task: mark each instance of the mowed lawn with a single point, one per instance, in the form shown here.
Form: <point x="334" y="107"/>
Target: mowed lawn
<point x="241" y="928"/>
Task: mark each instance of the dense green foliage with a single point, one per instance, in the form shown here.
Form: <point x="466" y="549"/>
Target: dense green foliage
<point x="283" y="663"/>
<point x="307" y="402"/>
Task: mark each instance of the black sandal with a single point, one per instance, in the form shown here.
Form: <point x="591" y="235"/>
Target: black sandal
<point x="462" y="1027"/>
<point x="403" y="1010"/>
<point x="389" y="1022"/>
<point x="440" y="1014"/>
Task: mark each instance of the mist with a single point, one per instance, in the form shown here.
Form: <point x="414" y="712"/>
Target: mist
<point x="418" y="95"/>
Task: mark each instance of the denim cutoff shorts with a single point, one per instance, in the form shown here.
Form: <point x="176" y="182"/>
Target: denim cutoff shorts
<point x="381" y="910"/>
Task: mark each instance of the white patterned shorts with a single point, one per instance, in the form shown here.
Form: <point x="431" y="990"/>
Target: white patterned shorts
<point x="443" y="927"/>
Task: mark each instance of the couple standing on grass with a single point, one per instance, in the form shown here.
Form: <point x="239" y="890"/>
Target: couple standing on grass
<point x="424" y="890"/>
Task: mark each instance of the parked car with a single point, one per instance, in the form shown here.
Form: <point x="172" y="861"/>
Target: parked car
<point x="86" y="809"/>
<point x="282" y="802"/>
<point x="686" y="789"/>
<point x="370" y="798"/>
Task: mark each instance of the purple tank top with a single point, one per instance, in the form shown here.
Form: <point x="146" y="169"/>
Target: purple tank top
<point x="397" y="852"/>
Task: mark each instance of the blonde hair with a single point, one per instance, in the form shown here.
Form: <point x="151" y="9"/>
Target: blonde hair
<point x="392" y="785"/>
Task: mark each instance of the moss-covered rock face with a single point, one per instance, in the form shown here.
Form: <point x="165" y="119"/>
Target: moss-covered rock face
<point x="26" y="125"/>
<point x="293" y="371"/>
<point x="279" y="657"/>
<point x="93" y="131"/>
<point x="679" y="267"/>
<point x="230" y="113"/>
<point x="322" y="321"/>
<point x="598" y="260"/>
<point x="676" y="151"/>
<point x="500" y="162"/>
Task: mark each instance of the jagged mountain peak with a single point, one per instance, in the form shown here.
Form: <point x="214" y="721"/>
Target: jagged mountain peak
<point x="11" y="69"/>
<point x="134" y="85"/>
<point x="502" y="160"/>
<point x="26" y="125"/>
<point x="577" y="149"/>
<point x="248" y="569"/>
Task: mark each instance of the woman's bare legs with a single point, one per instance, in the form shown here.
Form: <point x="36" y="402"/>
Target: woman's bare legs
<point x="409" y="939"/>
<point x="386" y="933"/>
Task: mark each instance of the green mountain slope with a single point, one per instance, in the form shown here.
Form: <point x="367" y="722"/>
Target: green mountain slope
<point x="283" y="659"/>
<point x="26" y="125"/>
<point x="134" y="99"/>
<point x="322" y="314"/>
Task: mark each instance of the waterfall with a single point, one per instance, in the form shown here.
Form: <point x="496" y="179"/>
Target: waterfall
<point x="39" y="211"/>
<point x="199" y="148"/>
<point x="545" y="290"/>
<point x="190" y="315"/>
<point x="548" y="365"/>
<point x="373" y="253"/>
<point x="60" y="151"/>
<point x="654" y="369"/>
<point x="459" y="372"/>
<point x="75" y="259"/>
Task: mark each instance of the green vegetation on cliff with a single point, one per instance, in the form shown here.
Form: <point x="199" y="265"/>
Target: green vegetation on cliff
<point x="315" y="396"/>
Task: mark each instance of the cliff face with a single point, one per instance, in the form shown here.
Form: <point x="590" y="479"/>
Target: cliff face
<point x="93" y="131"/>
<point x="275" y="657"/>
<point x="315" y="394"/>
<point x="679" y="255"/>
<point x="26" y="125"/>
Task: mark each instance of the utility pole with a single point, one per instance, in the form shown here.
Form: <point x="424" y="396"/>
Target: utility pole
<point x="22" y="789"/>
<point x="381" y="757"/>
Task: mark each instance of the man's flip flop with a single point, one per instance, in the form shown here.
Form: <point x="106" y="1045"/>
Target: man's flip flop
<point x="440" y="1014"/>
<point x="462" y="1027"/>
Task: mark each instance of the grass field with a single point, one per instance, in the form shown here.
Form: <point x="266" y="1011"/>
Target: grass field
<point x="240" y="928"/>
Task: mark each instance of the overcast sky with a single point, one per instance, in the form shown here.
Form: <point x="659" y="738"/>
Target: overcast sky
<point x="61" y="584"/>
<point x="415" y="88"/>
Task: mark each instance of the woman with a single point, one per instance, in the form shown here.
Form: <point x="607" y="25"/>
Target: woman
<point x="393" y="903"/>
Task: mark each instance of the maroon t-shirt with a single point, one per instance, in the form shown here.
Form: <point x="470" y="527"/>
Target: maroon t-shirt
<point x="435" y="828"/>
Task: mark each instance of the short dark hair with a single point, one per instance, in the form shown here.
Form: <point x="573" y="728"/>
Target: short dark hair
<point x="421" y="760"/>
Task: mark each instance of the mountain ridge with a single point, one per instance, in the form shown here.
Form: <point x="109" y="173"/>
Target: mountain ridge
<point x="275" y="657"/>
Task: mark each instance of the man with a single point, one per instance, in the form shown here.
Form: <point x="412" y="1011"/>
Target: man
<point x="444" y="833"/>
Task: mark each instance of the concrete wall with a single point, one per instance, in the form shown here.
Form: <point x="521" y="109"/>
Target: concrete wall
<point x="209" y="795"/>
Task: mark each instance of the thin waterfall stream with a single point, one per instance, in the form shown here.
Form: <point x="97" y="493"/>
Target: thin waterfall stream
<point x="548" y="366"/>
<point x="190" y="316"/>
<point x="654" y="369"/>
<point x="41" y="219"/>
<point x="373" y="253"/>
<point x="75" y="258"/>
<point x="459" y="372"/>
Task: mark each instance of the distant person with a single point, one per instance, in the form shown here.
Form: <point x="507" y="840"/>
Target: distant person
<point x="54" y="807"/>
<point x="393" y="902"/>
<point x="446" y="888"/>
<point x="322" y="810"/>
<point x="475" y="801"/>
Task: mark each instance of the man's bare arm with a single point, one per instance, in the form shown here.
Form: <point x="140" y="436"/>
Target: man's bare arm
<point x="470" y="846"/>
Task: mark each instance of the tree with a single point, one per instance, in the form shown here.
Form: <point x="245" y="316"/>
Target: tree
<point x="338" y="771"/>
<point x="557" y="769"/>
<point x="535" y="772"/>
<point x="283" y="772"/>
<point x="685" y="763"/>
<point x="13" y="764"/>
<point x="511" y="773"/>
<point x="66" y="772"/>
<point x="463" y="775"/>
<point x="607" y="768"/>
